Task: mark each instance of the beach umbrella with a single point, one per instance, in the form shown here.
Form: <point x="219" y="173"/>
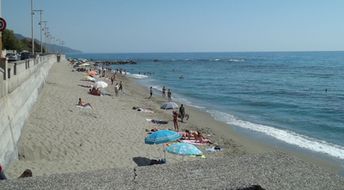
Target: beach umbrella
<point x="100" y="84"/>
<point x="169" y="105"/>
<point x="185" y="149"/>
<point x="92" y="73"/>
<point x="90" y="78"/>
<point x="84" y="65"/>
<point x="162" y="136"/>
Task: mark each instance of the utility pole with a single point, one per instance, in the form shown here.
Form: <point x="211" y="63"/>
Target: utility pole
<point x="43" y="28"/>
<point x="32" y="36"/>
<point x="40" y="24"/>
<point x="47" y="36"/>
<point x="0" y="32"/>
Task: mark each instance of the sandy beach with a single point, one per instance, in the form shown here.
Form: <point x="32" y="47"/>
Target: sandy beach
<point x="60" y="137"/>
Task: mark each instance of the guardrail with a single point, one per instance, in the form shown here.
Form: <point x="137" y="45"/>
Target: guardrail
<point x="13" y="74"/>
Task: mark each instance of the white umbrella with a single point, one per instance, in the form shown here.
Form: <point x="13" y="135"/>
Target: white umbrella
<point x="100" y="84"/>
<point x="84" y="65"/>
<point x="90" y="78"/>
<point x="169" y="105"/>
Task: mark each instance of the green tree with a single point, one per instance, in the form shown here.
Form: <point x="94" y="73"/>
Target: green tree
<point x="9" y="40"/>
<point x="12" y="43"/>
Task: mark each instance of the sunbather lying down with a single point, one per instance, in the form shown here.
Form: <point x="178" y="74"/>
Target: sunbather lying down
<point x="156" y="121"/>
<point x="194" y="135"/>
<point x="147" y="110"/>
<point x="152" y="130"/>
<point x="83" y="104"/>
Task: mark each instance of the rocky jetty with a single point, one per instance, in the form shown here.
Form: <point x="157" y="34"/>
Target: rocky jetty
<point x="116" y="62"/>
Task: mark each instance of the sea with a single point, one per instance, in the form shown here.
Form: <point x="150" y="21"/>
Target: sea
<point x="295" y="99"/>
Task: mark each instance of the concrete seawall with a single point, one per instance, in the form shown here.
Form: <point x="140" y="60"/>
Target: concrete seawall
<point x="20" y="84"/>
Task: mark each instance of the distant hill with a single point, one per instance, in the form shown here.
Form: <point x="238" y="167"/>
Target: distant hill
<point x="51" y="47"/>
<point x="62" y="49"/>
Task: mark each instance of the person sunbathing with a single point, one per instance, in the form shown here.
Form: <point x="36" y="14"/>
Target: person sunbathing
<point x="187" y="135"/>
<point x="83" y="104"/>
<point x="152" y="130"/>
<point x="199" y="138"/>
<point x="148" y="110"/>
<point x="95" y="91"/>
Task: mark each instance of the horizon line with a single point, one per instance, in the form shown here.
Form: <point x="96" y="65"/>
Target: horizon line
<point x="167" y="52"/>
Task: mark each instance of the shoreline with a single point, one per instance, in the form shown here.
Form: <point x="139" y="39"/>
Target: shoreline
<point x="226" y="133"/>
<point x="60" y="138"/>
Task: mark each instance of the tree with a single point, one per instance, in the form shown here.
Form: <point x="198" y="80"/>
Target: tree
<point x="9" y="40"/>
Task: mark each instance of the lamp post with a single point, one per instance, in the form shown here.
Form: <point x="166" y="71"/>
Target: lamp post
<point x="43" y="24"/>
<point x="46" y="34"/>
<point x="0" y="32"/>
<point x="32" y="36"/>
<point x="40" y="24"/>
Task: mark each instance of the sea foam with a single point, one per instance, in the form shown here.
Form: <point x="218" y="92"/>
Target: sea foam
<point x="137" y="76"/>
<point x="283" y="135"/>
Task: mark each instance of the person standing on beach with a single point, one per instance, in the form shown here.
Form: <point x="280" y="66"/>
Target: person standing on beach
<point x="116" y="89"/>
<point x="182" y="112"/>
<point x="150" y="92"/>
<point x="175" y="120"/>
<point x="2" y="174"/>
<point x="169" y="95"/>
<point x="112" y="79"/>
<point x="120" y="86"/>
<point x="163" y="91"/>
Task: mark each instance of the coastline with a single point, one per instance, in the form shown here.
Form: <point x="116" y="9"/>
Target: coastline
<point x="228" y="137"/>
<point x="111" y="135"/>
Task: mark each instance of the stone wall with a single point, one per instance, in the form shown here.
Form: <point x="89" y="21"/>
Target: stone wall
<point x="19" y="90"/>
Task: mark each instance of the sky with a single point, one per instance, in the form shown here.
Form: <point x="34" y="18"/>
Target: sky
<point x="124" y="26"/>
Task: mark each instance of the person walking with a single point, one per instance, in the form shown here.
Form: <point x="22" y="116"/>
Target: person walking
<point x="182" y="112"/>
<point x="163" y="91"/>
<point x="175" y="121"/>
<point x="113" y="78"/>
<point x="116" y="89"/>
<point x="120" y="86"/>
<point x="150" y="92"/>
<point x="169" y="95"/>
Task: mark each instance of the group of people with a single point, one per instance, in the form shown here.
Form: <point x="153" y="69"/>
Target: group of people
<point x="195" y="135"/>
<point x="169" y="93"/>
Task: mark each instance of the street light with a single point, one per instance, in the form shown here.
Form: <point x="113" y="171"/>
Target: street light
<point x="40" y="23"/>
<point x="32" y="37"/>
<point x="46" y="34"/>
<point x="43" y="25"/>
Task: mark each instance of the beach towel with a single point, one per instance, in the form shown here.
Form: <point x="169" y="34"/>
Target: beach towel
<point x="84" y="107"/>
<point x="194" y="142"/>
<point x="214" y="149"/>
<point x="156" y="121"/>
<point x="145" y="110"/>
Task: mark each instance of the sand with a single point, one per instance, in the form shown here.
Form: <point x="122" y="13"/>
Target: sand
<point x="60" y="137"/>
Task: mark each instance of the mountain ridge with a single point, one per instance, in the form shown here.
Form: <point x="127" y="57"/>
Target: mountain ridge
<point x="51" y="47"/>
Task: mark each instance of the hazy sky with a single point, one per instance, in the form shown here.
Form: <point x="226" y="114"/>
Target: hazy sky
<point x="113" y="26"/>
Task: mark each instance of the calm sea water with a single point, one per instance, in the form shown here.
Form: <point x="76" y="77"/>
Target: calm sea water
<point x="294" y="97"/>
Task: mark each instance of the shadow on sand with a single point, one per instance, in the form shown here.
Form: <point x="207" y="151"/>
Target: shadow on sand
<point x="142" y="161"/>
